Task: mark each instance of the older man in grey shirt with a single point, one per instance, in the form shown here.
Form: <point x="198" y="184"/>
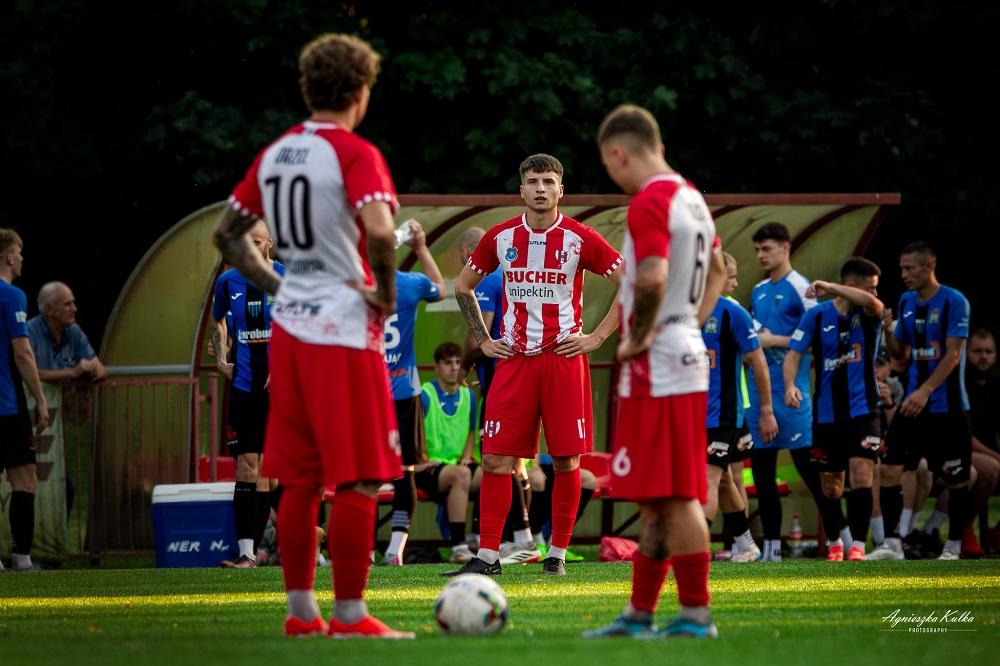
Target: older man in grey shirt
<point x="61" y="348"/>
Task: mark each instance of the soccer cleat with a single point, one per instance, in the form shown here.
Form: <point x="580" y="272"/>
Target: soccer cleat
<point x="949" y="555"/>
<point x="391" y="560"/>
<point x="856" y="553"/>
<point x="299" y="628"/>
<point x="553" y="566"/>
<point x="915" y="546"/>
<point x="835" y="554"/>
<point x="971" y="549"/>
<point x="681" y="628"/>
<point x="621" y="627"/>
<point x="34" y="568"/>
<point x="476" y="566"/>
<point x="886" y="552"/>
<point x="515" y="555"/>
<point x="366" y="627"/>
<point x="725" y="555"/>
<point x="242" y="562"/>
<point x="743" y="556"/>
<point x="461" y="555"/>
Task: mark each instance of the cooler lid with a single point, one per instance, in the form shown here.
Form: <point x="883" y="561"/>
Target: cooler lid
<point x="221" y="491"/>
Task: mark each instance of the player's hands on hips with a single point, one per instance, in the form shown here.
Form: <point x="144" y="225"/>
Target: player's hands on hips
<point x="41" y="416"/>
<point x="496" y="349"/>
<point x="915" y="402"/>
<point x="793" y="397"/>
<point x="629" y="347"/>
<point x="375" y="298"/>
<point x="818" y="289"/>
<point x="575" y="345"/>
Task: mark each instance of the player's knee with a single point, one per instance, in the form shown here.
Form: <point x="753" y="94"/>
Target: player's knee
<point x="587" y="479"/>
<point x="463" y="477"/>
<point x="832" y="488"/>
<point x="890" y="475"/>
<point x="862" y="473"/>
<point x="495" y="464"/>
<point x="562" y="464"/>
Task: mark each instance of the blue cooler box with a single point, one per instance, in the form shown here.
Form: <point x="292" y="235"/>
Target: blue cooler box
<point x="193" y="523"/>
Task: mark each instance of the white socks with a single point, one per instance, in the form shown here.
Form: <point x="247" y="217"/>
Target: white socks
<point x="488" y="556"/>
<point x="246" y="548"/>
<point x="523" y="538"/>
<point x="935" y="521"/>
<point x="846" y="538"/>
<point x="539" y="539"/>
<point x="556" y="552"/>
<point x="744" y="542"/>
<point x="878" y="529"/>
<point x="20" y="561"/>
<point x="302" y="604"/>
<point x="349" y="611"/>
<point x="953" y="546"/>
<point x="397" y="542"/>
<point x="905" y="525"/>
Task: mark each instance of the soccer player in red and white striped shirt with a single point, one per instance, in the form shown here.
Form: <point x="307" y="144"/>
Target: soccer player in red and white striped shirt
<point x="673" y="276"/>
<point x="328" y="199"/>
<point x="542" y="374"/>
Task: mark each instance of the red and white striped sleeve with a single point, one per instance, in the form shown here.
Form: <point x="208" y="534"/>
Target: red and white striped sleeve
<point x="597" y="255"/>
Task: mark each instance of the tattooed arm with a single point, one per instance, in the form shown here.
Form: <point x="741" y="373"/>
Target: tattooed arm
<point x="377" y="218"/>
<point x="650" y="283"/>
<point x="220" y="343"/>
<point x="238" y="250"/>
<point x="466" y="296"/>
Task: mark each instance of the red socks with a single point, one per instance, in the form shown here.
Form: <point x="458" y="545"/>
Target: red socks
<point x="691" y="572"/>
<point x="565" y="499"/>
<point x="352" y="527"/>
<point x="647" y="581"/>
<point x="494" y="503"/>
<point x="297" y="516"/>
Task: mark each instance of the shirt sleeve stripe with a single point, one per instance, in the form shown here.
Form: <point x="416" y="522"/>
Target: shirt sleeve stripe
<point x="377" y="196"/>
<point x="613" y="267"/>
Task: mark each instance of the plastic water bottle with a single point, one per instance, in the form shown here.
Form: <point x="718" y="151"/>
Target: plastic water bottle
<point x="795" y="537"/>
<point x="403" y="234"/>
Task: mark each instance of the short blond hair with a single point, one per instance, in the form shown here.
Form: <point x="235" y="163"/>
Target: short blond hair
<point x="8" y="239"/>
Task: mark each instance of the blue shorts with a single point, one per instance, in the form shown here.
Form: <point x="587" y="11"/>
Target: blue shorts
<point x="794" y="425"/>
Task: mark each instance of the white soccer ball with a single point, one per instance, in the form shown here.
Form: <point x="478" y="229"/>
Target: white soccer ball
<point x="471" y="605"/>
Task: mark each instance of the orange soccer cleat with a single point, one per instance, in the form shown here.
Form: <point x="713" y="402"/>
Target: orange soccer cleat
<point x="366" y="627"/>
<point x="835" y="554"/>
<point x="856" y="553"/>
<point x="299" y="628"/>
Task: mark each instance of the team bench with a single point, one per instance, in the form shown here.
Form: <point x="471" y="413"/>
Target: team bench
<point x="598" y="463"/>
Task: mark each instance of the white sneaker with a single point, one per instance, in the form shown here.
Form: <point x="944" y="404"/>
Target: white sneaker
<point x="949" y="555"/>
<point x="886" y="552"/>
<point x="747" y="555"/>
<point x="511" y="554"/>
<point x="461" y="554"/>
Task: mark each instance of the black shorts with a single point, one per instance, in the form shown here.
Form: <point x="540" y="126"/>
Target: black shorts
<point x="247" y="421"/>
<point x="728" y="445"/>
<point x="17" y="442"/>
<point x="945" y="440"/>
<point x="428" y="481"/>
<point x="410" y="419"/>
<point x="835" y="443"/>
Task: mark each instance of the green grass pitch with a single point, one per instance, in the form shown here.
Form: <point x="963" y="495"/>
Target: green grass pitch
<point x="801" y="611"/>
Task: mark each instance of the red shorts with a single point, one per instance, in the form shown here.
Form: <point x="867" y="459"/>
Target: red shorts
<point x="332" y="420"/>
<point x="659" y="448"/>
<point x="529" y="391"/>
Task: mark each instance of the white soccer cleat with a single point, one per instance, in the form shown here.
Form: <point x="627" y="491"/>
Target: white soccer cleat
<point x="949" y="555"/>
<point x="886" y="552"/>
<point x="743" y="556"/>
<point x="511" y="554"/>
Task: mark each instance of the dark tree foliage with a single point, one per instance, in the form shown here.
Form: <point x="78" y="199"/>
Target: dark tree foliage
<point x="120" y="119"/>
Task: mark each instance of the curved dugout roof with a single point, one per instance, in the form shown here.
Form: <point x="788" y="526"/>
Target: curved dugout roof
<point x="160" y="316"/>
<point x="159" y="324"/>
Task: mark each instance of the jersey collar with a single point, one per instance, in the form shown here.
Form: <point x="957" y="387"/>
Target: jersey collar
<point x="524" y="221"/>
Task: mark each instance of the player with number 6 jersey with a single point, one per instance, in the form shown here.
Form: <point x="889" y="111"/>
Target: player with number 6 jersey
<point x="674" y="273"/>
<point x="542" y="374"/>
<point x="328" y="198"/>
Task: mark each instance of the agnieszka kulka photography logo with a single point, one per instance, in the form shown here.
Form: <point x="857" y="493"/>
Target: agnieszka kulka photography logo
<point x="931" y="622"/>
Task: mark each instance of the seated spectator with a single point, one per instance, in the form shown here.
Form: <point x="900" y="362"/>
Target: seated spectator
<point x="450" y="426"/>
<point x="61" y="348"/>
<point x="542" y="475"/>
